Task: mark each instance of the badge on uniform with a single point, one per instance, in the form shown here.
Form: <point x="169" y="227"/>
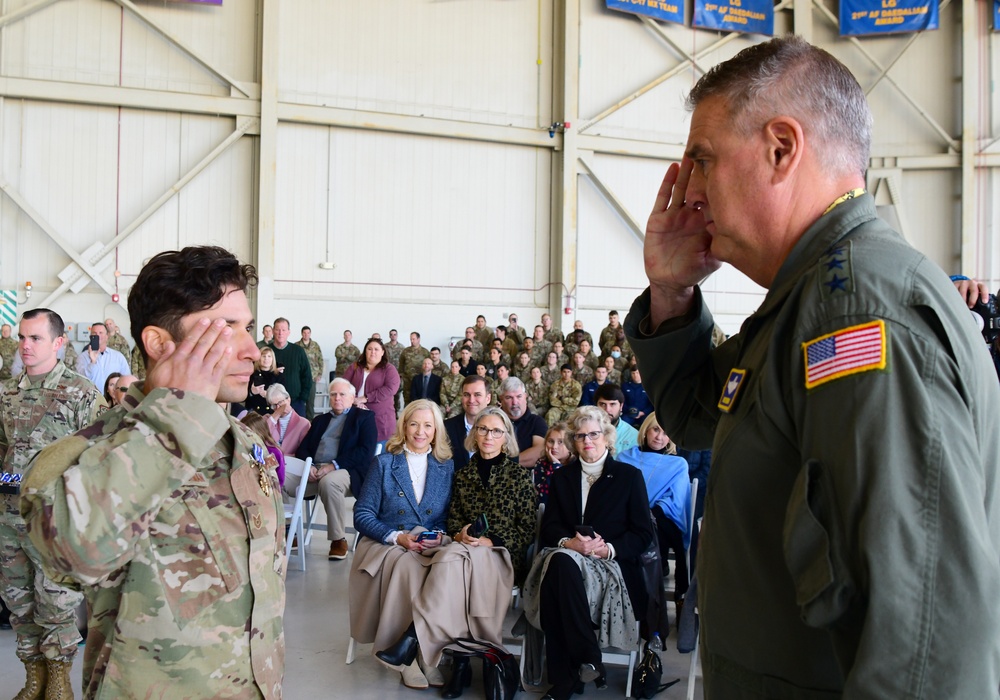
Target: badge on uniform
<point x="731" y="390"/>
<point x="257" y="454"/>
<point x="851" y="350"/>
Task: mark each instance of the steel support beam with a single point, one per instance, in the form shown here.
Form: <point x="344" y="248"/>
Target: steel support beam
<point x="267" y="158"/>
<point x="609" y="196"/>
<point x="970" y="255"/>
<point x="25" y="11"/>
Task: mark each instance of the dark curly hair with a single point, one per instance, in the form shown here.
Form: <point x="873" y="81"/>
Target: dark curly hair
<point x="176" y="283"/>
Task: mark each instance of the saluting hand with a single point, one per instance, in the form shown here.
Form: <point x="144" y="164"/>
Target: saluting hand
<point x="197" y="363"/>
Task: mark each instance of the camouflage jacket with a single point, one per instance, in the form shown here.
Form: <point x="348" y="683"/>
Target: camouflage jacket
<point x="315" y="355"/>
<point x="551" y="376"/>
<point x="583" y="374"/>
<point x="33" y="416"/>
<point x="177" y="534"/>
<point x="565" y="395"/>
<point x="8" y="348"/>
<point x="539" y="352"/>
<point x="138" y="364"/>
<point x="477" y="350"/>
<point x="451" y="394"/>
<point x="409" y="362"/>
<point x="441" y="369"/>
<point x="345" y="354"/>
<point x="538" y="396"/>
<point x="70" y="355"/>
<point x="554" y="335"/>
<point x="394" y="350"/>
<point x="118" y="342"/>
<point x="484" y="335"/>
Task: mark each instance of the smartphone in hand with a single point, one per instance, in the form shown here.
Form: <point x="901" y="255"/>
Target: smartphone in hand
<point x="480" y="527"/>
<point x="586" y="530"/>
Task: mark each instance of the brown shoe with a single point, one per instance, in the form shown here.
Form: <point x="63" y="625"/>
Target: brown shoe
<point x="34" y="686"/>
<point x="338" y="550"/>
<point x="295" y="543"/>
<point x="58" y="685"/>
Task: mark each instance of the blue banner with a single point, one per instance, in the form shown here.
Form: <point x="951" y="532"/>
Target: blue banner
<point x="657" y="9"/>
<point x="996" y="15"/>
<point x="887" y="16"/>
<point x="751" y="16"/>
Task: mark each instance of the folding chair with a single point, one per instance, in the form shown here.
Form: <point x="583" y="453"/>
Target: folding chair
<point x="293" y="511"/>
<point x="357" y="535"/>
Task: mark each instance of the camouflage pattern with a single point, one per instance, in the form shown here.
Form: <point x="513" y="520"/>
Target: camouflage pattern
<point x="523" y="373"/>
<point x="70" y="355"/>
<point x="345" y="354"/>
<point x="510" y="347"/>
<point x="608" y="335"/>
<point x="394" y="349"/>
<point x="441" y="369"/>
<point x="315" y="355"/>
<point x="564" y="397"/>
<point x="569" y="349"/>
<point x="8" y="348"/>
<point x="118" y="342"/>
<point x="623" y="344"/>
<point x="477" y="350"/>
<point x="484" y="335"/>
<point x="451" y="394"/>
<point x="554" y="335"/>
<point x="615" y="377"/>
<point x="592" y="360"/>
<point x="410" y="362"/>
<point x="32" y="416"/>
<point x="551" y="375"/>
<point x="538" y="396"/>
<point x="160" y="511"/>
<point x="569" y="337"/>
<point x="517" y="335"/>
<point x="538" y="353"/>
<point x="138" y="364"/>
<point x="583" y="374"/>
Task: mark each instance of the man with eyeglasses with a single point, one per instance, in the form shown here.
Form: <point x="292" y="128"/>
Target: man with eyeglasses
<point x="44" y="403"/>
<point x="475" y="397"/>
<point x="529" y="428"/>
<point x="611" y="399"/>
<point x="122" y="387"/>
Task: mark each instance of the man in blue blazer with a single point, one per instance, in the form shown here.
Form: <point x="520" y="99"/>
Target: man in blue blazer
<point x="426" y="385"/>
<point x="342" y="445"/>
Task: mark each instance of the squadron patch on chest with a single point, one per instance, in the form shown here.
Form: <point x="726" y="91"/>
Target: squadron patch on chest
<point x="835" y="271"/>
<point x="731" y="391"/>
<point x="851" y="350"/>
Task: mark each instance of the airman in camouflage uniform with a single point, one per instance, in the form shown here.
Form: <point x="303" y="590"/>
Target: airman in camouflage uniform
<point x="484" y="334"/>
<point x="538" y="392"/>
<point x="581" y="370"/>
<point x="451" y="391"/>
<point x="564" y="397"/>
<point x="314" y="352"/>
<point x="168" y="510"/>
<point x="70" y="354"/>
<point x="115" y="339"/>
<point x="515" y="333"/>
<point x="610" y="331"/>
<point x="138" y="364"/>
<point x="411" y="362"/>
<point x="346" y="353"/>
<point x="8" y="348"/>
<point x="551" y="371"/>
<point x="589" y="357"/>
<point x="552" y="333"/>
<point x="440" y="368"/>
<point x="46" y="402"/>
<point x="540" y="347"/>
<point x="478" y="349"/>
<point x="522" y="367"/>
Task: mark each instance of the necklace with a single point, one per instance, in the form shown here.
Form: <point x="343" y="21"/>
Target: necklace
<point x="591" y="478"/>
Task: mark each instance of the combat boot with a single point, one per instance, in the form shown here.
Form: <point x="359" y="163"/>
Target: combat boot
<point x="58" y="686"/>
<point x="34" y="686"/>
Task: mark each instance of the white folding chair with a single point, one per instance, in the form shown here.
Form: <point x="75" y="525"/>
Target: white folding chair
<point x="357" y="535"/>
<point x="692" y="671"/>
<point x="293" y="511"/>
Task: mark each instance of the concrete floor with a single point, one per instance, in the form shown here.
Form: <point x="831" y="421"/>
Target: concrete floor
<point x="316" y="633"/>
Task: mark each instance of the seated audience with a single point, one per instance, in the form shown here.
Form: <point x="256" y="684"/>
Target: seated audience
<point x="467" y="591"/>
<point x="557" y="454"/>
<point x="614" y="374"/>
<point x="591" y="387"/>
<point x="406" y="493"/>
<point x="564" y="397"/>
<point x="451" y="390"/>
<point x="426" y="385"/>
<point x="341" y="444"/>
<point x="637" y="403"/>
<point x="586" y="588"/>
<point x="529" y="429"/>
<point x="475" y="397"/>
<point x="669" y="491"/>
<point x="538" y="392"/>
<point x="121" y="387"/>
<point x="264" y="375"/>
<point x="522" y="366"/>
<point x="552" y="369"/>
<point x="109" y="388"/>
<point x="466" y="365"/>
<point x="581" y="371"/>
<point x="375" y="382"/>
<point x="287" y="427"/>
<point x="610" y="399"/>
<point x="259" y="425"/>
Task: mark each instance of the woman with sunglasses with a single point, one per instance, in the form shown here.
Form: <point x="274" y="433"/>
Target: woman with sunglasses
<point x="585" y="590"/>
<point x="491" y="519"/>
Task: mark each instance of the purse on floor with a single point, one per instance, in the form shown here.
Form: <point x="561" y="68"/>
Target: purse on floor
<point x="647" y="675"/>
<point x="501" y="675"/>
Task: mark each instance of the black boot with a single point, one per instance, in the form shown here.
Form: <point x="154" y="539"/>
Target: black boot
<point x="461" y="677"/>
<point x="403" y="652"/>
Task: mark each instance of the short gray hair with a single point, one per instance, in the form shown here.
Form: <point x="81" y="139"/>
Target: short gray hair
<point x="585" y="413"/>
<point x="341" y="380"/>
<point x="789" y="76"/>
<point x="277" y="392"/>
<point x="512" y="384"/>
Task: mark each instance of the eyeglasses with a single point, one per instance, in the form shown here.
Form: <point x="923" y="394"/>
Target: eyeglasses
<point x="279" y="404"/>
<point x="121" y="389"/>
<point x="593" y="435"/>
<point x="492" y="432"/>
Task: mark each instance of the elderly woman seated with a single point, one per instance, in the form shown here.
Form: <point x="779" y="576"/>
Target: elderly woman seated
<point x="463" y="590"/>
<point x="288" y="428"/>
<point x="586" y="588"/>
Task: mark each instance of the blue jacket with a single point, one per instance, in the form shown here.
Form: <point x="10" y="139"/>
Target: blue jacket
<point x="667" y="485"/>
<point x="387" y="502"/>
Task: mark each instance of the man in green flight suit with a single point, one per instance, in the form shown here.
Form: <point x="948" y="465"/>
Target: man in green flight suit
<point x="46" y="402"/>
<point x="167" y="510"/>
<point x="853" y="506"/>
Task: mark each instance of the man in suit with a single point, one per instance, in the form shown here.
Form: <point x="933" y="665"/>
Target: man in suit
<point x="475" y="397"/>
<point x="341" y="444"/>
<point x="426" y="385"/>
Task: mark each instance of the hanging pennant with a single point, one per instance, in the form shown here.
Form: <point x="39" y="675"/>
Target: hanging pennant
<point x="861" y="17"/>
<point x="750" y="16"/>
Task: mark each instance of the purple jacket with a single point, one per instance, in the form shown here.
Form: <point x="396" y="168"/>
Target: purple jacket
<point x="380" y="390"/>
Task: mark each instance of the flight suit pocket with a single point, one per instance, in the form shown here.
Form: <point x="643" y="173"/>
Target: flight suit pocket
<point x="822" y="587"/>
<point x="194" y="573"/>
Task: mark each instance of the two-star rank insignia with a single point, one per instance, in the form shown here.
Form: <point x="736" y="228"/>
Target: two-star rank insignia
<point x="731" y="391"/>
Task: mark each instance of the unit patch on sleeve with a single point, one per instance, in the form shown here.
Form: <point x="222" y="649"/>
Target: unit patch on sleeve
<point x="849" y="351"/>
<point x="737" y="377"/>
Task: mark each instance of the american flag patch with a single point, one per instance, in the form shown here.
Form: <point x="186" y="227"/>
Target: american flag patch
<point x="848" y="351"/>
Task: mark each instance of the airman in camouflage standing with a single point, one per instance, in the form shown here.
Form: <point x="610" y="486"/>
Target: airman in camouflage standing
<point x="451" y="390"/>
<point x="564" y="397"/>
<point x="183" y="564"/>
<point x="478" y="349"/>
<point x="138" y="364"/>
<point x="552" y="333"/>
<point x="610" y="331"/>
<point x="8" y="347"/>
<point x="346" y="353"/>
<point x="69" y="352"/>
<point x="440" y="368"/>
<point x="115" y="339"/>
<point x="314" y="353"/>
<point x="484" y="334"/>
<point x="410" y="363"/>
<point x="393" y="350"/>
<point x="46" y="402"/>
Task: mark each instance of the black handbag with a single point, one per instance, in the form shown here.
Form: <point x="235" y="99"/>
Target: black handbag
<point x="647" y="675"/>
<point x="501" y="675"/>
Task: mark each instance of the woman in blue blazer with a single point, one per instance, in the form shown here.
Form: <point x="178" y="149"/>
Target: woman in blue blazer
<point x="407" y="492"/>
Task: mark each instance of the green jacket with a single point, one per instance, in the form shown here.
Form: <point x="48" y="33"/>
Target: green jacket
<point x="852" y="527"/>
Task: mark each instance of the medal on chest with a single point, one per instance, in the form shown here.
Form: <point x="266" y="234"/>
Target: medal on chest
<point x="257" y="454"/>
<point x="731" y="390"/>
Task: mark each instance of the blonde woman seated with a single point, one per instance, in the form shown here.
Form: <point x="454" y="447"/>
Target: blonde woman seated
<point x="586" y="589"/>
<point x="467" y="588"/>
<point x="406" y="493"/>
